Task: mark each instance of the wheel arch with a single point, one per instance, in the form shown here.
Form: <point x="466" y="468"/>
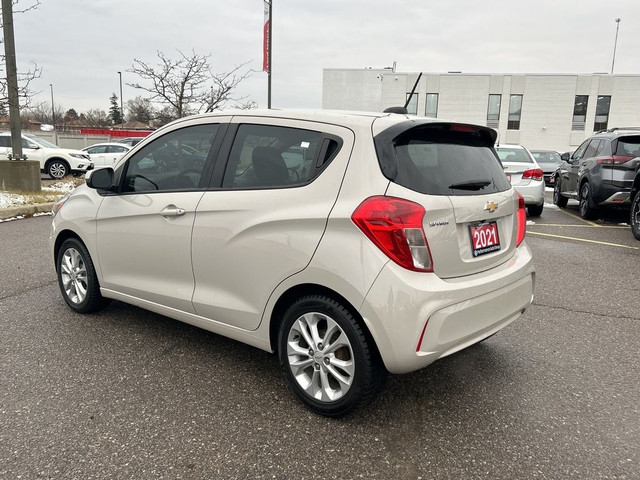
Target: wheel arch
<point x="635" y="187"/>
<point x="50" y="160"/>
<point x="60" y="239"/>
<point x="306" y="289"/>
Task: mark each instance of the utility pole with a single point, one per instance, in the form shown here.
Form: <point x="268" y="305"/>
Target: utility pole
<point x="23" y="175"/>
<point x="615" y="44"/>
<point x="268" y="46"/>
<point x="12" y="80"/>
<point x="121" y="108"/>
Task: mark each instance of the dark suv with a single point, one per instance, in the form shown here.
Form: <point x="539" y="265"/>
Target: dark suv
<point x="635" y="205"/>
<point x="599" y="174"/>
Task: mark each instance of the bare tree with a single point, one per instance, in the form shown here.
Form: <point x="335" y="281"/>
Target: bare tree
<point x="140" y="110"/>
<point x="187" y="85"/>
<point x="95" y="118"/>
<point x="41" y="112"/>
<point x="25" y="94"/>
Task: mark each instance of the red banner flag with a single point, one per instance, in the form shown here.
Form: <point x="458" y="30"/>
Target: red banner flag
<point x="266" y="44"/>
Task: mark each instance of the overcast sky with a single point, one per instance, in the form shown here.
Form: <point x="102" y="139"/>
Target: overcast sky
<point x="81" y="45"/>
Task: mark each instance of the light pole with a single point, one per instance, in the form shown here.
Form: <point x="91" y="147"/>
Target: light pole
<point x="121" y="109"/>
<point x="615" y="44"/>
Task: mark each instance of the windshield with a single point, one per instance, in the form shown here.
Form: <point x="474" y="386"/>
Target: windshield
<point x="42" y="142"/>
<point x="518" y="155"/>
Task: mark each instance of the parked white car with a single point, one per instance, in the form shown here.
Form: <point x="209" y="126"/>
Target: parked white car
<point x="55" y="161"/>
<point x="525" y="175"/>
<point x="106" y="154"/>
<point x="350" y="244"/>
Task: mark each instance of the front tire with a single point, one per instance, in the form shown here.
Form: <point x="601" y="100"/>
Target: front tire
<point x="635" y="216"/>
<point x="587" y="209"/>
<point x="77" y="278"/>
<point x="327" y="359"/>
<point x="57" y="169"/>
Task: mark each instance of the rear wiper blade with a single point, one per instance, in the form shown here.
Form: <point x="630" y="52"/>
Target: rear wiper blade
<point x="471" y="185"/>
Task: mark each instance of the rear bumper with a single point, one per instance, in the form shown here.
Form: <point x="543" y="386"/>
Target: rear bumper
<point x="416" y="318"/>
<point x="533" y="193"/>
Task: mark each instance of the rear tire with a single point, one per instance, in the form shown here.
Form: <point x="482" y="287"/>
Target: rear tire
<point x="328" y="362"/>
<point x="558" y="199"/>
<point x="77" y="278"/>
<point x="535" y="210"/>
<point x="635" y="216"/>
<point x="587" y="208"/>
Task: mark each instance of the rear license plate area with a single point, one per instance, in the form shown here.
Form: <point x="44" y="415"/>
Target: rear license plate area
<point x="484" y="238"/>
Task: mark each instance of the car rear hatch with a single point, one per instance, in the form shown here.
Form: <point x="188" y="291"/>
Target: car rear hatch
<point x="516" y="162"/>
<point x="451" y="170"/>
<point x="619" y="169"/>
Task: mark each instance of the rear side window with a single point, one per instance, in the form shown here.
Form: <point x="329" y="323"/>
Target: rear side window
<point x="444" y="159"/>
<point x="265" y="156"/>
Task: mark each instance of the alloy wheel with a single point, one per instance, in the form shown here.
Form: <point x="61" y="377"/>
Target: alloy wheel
<point x="320" y="357"/>
<point x="73" y="273"/>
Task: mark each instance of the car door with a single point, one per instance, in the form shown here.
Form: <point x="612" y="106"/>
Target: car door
<point x="570" y="175"/>
<point x="97" y="154"/>
<point x="266" y="213"/>
<point x="144" y="230"/>
<point x="115" y="153"/>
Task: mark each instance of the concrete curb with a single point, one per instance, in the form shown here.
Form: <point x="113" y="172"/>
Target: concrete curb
<point x="25" y="210"/>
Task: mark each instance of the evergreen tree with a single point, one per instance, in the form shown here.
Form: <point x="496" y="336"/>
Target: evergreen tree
<point x="114" y="111"/>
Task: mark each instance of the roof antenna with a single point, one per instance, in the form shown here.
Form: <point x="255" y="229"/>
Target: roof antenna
<point x="403" y="110"/>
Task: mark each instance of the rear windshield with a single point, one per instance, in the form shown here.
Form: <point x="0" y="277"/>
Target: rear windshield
<point x="547" y="157"/>
<point x="518" y="155"/>
<point x="444" y="159"/>
<point x="629" y="146"/>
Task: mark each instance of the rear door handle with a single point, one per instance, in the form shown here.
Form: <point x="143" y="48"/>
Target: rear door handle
<point x="172" y="211"/>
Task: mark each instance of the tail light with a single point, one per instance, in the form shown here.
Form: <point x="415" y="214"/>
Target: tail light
<point x="614" y="160"/>
<point x="394" y="225"/>
<point x="522" y="220"/>
<point x="533" y="174"/>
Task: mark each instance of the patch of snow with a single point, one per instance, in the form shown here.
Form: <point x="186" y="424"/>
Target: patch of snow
<point x="11" y="200"/>
<point x="60" y="187"/>
<point x="530" y="222"/>
<point x="20" y="217"/>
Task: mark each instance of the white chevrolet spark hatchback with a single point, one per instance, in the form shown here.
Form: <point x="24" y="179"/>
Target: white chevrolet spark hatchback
<point x="350" y="244"/>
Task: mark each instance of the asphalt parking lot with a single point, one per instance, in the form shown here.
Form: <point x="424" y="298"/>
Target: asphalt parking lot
<point x="130" y="394"/>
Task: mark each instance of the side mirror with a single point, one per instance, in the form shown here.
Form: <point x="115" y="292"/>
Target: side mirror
<point x="101" y="179"/>
<point x="565" y="156"/>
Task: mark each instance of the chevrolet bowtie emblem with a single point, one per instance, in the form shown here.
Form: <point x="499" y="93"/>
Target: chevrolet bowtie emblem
<point x="491" y="206"/>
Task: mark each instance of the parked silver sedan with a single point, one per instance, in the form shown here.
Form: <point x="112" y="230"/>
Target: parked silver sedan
<point x="525" y="175"/>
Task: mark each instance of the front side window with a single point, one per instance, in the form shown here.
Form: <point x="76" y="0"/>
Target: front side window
<point x="5" y="141"/>
<point x="412" y="107"/>
<point x="515" y="110"/>
<point x="577" y="155"/>
<point x="431" y="108"/>
<point x="493" y="111"/>
<point x="602" y="113"/>
<point x="174" y="161"/>
<point x="266" y="156"/>
<point x="579" y="112"/>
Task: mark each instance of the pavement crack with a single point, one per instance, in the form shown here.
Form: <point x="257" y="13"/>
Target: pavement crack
<point x="27" y="290"/>
<point x="586" y="312"/>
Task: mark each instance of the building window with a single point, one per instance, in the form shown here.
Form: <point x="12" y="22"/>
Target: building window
<point x="431" y="108"/>
<point x="412" y="108"/>
<point x="580" y="112"/>
<point x="515" y="110"/>
<point x="602" y="113"/>
<point x="493" y="111"/>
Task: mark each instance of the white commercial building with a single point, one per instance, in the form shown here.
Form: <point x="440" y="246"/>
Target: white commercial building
<point x="539" y="111"/>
